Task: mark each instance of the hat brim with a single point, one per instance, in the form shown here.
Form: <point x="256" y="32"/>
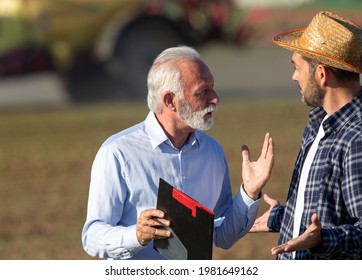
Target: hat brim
<point x="290" y="40"/>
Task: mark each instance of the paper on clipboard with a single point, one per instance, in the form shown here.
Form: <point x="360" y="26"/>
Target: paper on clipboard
<point x="192" y="225"/>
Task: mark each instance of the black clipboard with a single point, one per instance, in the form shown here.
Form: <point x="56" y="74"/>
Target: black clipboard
<point x="192" y="226"/>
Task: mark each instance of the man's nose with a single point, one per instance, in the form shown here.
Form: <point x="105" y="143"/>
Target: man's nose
<point x="214" y="98"/>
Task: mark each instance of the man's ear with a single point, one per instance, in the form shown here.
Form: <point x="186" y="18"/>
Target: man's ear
<point x="169" y="100"/>
<point x="321" y="74"/>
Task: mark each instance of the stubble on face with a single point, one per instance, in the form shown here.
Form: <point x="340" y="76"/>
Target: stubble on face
<point x="313" y="95"/>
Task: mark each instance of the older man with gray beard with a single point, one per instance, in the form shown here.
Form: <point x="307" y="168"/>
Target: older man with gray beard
<point x="169" y="144"/>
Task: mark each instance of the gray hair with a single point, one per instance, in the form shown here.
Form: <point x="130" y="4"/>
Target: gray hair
<point x="165" y="75"/>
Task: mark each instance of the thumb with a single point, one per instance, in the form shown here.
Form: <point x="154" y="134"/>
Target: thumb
<point x="245" y="153"/>
<point x="315" y="220"/>
<point x="271" y="201"/>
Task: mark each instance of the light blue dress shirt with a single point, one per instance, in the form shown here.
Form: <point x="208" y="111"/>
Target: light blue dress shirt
<point x="124" y="182"/>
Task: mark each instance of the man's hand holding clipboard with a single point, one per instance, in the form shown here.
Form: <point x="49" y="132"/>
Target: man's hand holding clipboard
<point x="149" y="226"/>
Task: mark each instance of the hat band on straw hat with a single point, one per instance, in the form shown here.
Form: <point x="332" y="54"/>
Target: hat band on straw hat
<point x="328" y="39"/>
<point x="303" y="43"/>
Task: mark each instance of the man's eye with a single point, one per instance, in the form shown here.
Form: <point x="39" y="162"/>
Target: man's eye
<point x="199" y="94"/>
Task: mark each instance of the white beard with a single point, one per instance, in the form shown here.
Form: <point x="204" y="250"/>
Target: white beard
<point x="196" y="119"/>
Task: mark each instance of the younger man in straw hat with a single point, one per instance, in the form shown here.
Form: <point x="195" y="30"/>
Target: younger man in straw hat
<point x="322" y="218"/>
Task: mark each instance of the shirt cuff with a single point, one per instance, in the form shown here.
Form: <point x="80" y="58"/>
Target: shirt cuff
<point x="129" y="237"/>
<point x="252" y="204"/>
<point x="247" y="199"/>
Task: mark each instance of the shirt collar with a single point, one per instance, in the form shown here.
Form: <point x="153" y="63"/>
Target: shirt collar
<point x="193" y="139"/>
<point x="157" y="135"/>
<point x="337" y="119"/>
<point x="154" y="130"/>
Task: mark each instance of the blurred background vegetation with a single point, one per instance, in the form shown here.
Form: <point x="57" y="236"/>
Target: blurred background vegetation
<point x="59" y="101"/>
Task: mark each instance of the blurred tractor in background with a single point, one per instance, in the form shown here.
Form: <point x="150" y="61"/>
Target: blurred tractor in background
<point x="104" y="48"/>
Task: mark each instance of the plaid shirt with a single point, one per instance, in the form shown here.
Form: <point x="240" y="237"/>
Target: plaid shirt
<point x="334" y="186"/>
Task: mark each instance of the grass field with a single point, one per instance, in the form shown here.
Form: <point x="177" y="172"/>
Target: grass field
<point x="46" y="156"/>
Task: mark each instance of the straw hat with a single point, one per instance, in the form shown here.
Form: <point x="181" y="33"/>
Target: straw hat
<point x="329" y="39"/>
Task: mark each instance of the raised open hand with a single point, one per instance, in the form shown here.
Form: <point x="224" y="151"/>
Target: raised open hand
<point x="311" y="238"/>
<point x="261" y="223"/>
<point x="256" y="173"/>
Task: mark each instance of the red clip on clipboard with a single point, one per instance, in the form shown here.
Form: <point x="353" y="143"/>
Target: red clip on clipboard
<point x="189" y="202"/>
<point x="192" y="225"/>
